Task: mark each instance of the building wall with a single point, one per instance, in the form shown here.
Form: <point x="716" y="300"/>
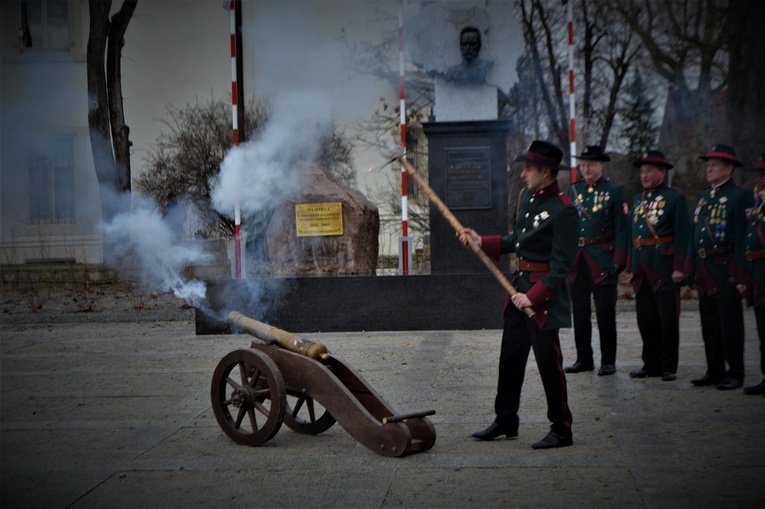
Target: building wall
<point x="44" y="105"/>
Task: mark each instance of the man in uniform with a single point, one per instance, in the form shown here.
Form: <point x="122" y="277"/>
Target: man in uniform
<point x="602" y="255"/>
<point x="754" y="274"/>
<point x="719" y="223"/>
<point x="544" y="239"/>
<point x="660" y="230"/>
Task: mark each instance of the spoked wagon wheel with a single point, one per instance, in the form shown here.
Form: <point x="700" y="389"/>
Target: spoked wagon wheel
<point x="249" y="396"/>
<point x="305" y="415"/>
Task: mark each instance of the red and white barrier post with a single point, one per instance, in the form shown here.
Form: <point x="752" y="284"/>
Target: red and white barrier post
<point x="571" y="95"/>
<point x="405" y="252"/>
<point x="233" y="5"/>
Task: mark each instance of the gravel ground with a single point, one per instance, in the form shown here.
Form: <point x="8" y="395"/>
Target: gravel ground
<point x="100" y="302"/>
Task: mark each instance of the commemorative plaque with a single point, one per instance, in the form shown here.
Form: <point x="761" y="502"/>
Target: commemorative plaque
<point x="318" y="219"/>
<point x="468" y="178"/>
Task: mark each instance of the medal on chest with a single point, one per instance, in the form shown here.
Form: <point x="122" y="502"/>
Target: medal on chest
<point x="539" y="218"/>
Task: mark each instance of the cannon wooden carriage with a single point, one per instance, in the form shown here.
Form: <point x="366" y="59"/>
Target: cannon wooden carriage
<point x="284" y="378"/>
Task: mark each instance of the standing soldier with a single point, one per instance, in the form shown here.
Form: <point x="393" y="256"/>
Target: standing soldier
<point x="602" y="255"/>
<point x="660" y="229"/>
<point x="544" y="240"/>
<point x="719" y="223"/>
<point x="754" y="254"/>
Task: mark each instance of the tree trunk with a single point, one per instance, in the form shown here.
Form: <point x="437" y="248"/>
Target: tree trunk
<point x="746" y="100"/>
<point x="98" y="102"/>
<point x="120" y="132"/>
<point x="108" y="133"/>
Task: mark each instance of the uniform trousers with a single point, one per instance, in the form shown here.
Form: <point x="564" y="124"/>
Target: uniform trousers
<point x="722" y="327"/>
<point x="658" y="315"/>
<point x="605" y="310"/>
<point x="759" y="315"/>
<point x="521" y="334"/>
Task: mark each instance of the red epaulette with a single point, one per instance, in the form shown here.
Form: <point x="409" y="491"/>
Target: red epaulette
<point x="565" y="199"/>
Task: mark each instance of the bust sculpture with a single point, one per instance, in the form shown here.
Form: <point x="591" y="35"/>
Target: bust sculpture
<point x="472" y="69"/>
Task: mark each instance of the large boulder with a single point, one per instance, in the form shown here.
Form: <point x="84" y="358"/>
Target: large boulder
<point x="352" y="253"/>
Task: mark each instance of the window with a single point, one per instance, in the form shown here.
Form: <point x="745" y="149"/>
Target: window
<point x="51" y="181"/>
<point x="44" y="24"/>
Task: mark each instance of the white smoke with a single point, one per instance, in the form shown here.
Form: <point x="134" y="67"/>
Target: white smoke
<point x="143" y="235"/>
<point x="259" y="174"/>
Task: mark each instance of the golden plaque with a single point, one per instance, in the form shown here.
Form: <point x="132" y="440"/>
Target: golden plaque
<point x="318" y="219"/>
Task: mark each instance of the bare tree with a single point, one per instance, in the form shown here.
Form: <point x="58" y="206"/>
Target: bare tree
<point x="610" y="52"/>
<point x="540" y="29"/>
<point x="605" y="53"/>
<point x="109" y="136"/>
<point x="687" y="44"/>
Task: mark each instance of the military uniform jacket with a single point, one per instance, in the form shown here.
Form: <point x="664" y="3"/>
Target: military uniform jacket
<point x="753" y="273"/>
<point x="545" y="231"/>
<point x="660" y="230"/>
<point x="719" y="225"/>
<point x="603" y="228"/>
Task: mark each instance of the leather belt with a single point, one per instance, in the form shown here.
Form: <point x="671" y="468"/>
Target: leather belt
<point x="703" y="253"/>
<point x="533" y="266"/>
<point x="653" y="241"/>
<point x="588" y="241"/>
<point x="754" y="255"/>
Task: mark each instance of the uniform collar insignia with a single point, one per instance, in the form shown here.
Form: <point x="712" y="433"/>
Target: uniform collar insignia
<point x="551" y="189"/>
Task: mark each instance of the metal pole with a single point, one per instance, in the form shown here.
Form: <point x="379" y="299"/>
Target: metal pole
<point x="404" y="249"/>
<point x="571" y="95"/>
<point x="233" y="7"/>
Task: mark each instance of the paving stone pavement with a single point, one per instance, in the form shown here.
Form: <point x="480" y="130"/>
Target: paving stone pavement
<point x="106" y="414"/>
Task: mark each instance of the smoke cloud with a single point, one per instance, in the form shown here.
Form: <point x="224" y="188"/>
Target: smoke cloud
<point x="259" y="174"/>
<point x="143" y="237"/>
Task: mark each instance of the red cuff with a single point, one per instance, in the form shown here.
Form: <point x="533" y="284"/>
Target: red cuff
<point x="492" y="246"/>
<point x="620" y="256"/>
<point x="539" y="294"/>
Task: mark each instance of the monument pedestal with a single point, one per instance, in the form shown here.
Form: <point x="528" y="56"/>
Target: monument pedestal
<point x="467" y="169"/>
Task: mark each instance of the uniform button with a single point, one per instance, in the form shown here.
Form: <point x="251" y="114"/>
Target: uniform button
<point x="527" y="214"/>
<point x="545" y="311"/>
<point x="523" y="231"/>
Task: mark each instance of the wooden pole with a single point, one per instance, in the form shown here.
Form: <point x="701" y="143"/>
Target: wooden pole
<point x="454" y="222"/>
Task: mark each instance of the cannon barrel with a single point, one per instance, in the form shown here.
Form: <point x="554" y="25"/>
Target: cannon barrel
<point x="284" y="339"/>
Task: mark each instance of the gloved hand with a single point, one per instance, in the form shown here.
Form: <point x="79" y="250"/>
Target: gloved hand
<point x="616" y="269"/>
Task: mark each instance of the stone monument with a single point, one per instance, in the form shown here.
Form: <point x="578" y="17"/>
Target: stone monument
<point x="467" y="154"/>
<point x="323" y="229"/>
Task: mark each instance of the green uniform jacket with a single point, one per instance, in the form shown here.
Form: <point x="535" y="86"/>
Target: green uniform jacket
<point x="660" y="212"/>
<point x="545" y="231"/>
<point x="754" y="269"/>
<point x="603" y="212"/>
<point x="719" y="223"/>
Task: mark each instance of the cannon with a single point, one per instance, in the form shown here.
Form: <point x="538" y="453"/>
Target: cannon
<point x="283" y="378"/>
